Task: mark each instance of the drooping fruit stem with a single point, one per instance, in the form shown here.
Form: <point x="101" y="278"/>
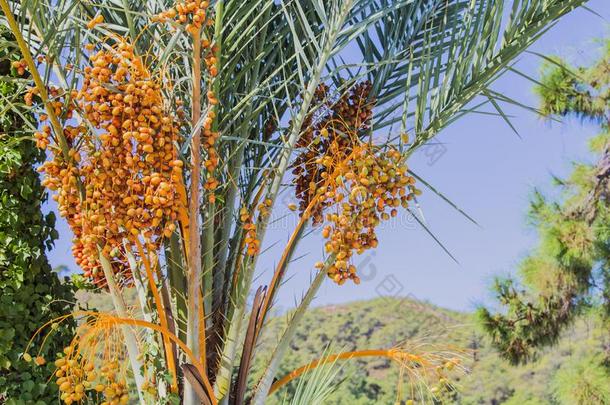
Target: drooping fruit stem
<point x="161" y="313"/>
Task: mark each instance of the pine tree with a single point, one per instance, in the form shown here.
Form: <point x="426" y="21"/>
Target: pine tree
<point x="569" y="271"/>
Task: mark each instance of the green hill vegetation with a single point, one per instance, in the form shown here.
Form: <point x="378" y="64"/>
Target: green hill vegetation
<point x="386" y="322"/>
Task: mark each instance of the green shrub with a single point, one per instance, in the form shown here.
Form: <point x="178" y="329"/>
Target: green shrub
<point x="31" y="294"/>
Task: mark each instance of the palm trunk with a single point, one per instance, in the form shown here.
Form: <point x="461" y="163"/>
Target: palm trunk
<point x="194" y="261"/>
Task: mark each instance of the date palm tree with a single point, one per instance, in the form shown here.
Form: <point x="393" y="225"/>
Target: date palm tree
<point x="171" y="129"/>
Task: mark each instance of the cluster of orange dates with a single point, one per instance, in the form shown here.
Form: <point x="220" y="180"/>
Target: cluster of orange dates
<point x="367" y="189"/>
<point x="76" y="376"/>
<point x="20" y="66"/>
<point x="330" y="136"/>
<point x="122" y="180"/>
<point x="194" y="15"/>
<point x="98" y="19"/>
<point x="251" y="242"/>
<point x="337" y="171"/>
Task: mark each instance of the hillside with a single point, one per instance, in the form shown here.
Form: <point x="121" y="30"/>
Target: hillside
<point x="384" y="322"/>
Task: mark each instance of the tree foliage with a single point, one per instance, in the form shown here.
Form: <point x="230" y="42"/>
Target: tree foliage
<point x="30" y="292"/>
<point x="570" y="268"/>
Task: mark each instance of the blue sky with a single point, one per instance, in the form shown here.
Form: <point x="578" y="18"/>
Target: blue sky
<point x="485" y="169"/>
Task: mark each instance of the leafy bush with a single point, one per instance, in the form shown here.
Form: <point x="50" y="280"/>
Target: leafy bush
<point x="30" y="293"/>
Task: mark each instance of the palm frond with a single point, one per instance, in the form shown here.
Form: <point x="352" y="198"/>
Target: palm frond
<point x="319" y="384"/>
